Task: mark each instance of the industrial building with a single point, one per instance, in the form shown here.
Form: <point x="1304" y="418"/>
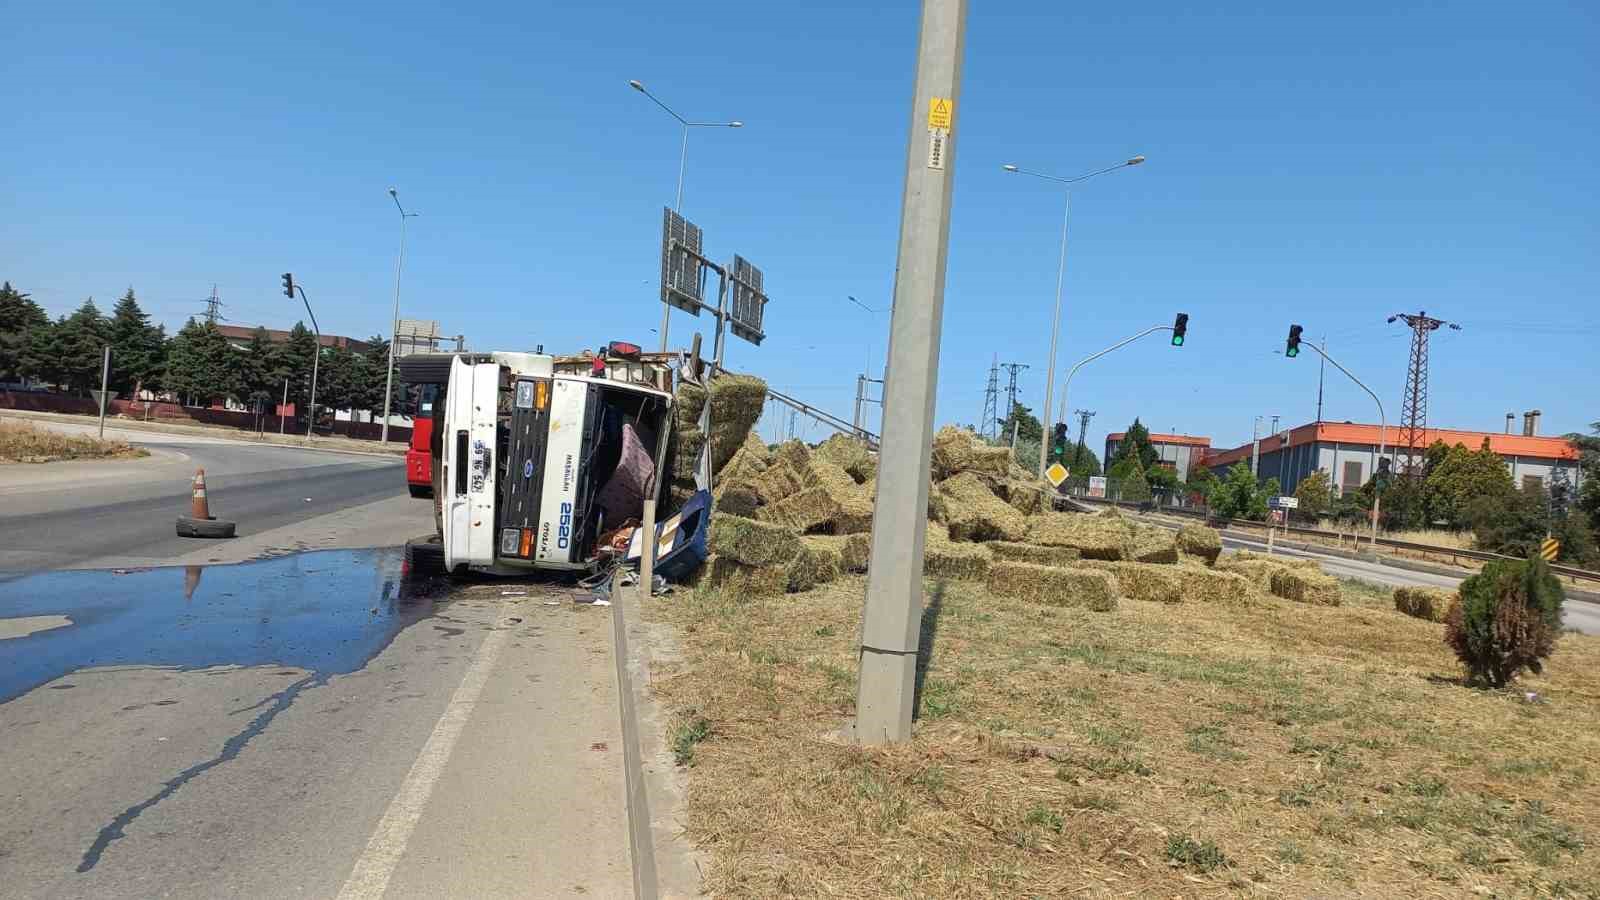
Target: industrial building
<point x="1348" y="452"/>
<point x="1179" y="452"/>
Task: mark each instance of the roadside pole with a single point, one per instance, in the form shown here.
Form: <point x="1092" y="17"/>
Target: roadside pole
<point x="892" y="618"/>
<point x="284" y="406"/>
<point x="105" y="380"/>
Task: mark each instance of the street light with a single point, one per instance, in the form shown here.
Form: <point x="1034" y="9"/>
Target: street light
<point x="1061" y="269"/>
<point x="394" y="333"/>
<point x="683" y="154"/>
<point x="683" y="161"/>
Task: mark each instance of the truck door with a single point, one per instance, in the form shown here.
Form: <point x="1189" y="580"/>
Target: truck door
<point x="468" y="466"/>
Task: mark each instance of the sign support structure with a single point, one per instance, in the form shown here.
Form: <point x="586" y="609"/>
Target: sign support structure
<point x="892" y="619"/>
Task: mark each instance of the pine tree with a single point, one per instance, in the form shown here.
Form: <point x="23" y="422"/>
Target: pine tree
<point x="79" y="346"/>
<point x="137" y="347"/>
<point x="20" y="320"/>
<point x="1135" y="445"/>
<point x="297" y="356"/>
<point x="182" y="371"/>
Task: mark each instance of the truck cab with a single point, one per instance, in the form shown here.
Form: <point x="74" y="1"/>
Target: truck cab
<point x="540" y="456"/>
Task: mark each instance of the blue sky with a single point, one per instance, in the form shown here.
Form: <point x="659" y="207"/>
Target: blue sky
<point x="1329" y="168"/>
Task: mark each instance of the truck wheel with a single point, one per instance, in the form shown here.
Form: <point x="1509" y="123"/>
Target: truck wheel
<point x="420" y="490"/>
<point x="204" y="528"/>
<point x="425" y="556"/>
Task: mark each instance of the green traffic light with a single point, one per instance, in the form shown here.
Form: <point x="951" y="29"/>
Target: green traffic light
<point x="1292" y="352"/>
<point x="1177" y="340"/>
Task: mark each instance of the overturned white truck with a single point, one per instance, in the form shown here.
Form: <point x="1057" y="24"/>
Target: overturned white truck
<point x="544" y="462"/>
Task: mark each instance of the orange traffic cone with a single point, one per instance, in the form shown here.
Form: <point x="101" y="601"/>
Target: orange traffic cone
<point x="199" y="508"/>
<point x="200" y="523"/>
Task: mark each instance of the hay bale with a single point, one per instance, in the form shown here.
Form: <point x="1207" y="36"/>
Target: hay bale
<point x="751" y="542"/>
<point x="855" y="506"/>
<point x="810" y="508"/>
<point x="1148" y="582"/>
<point x="943" y="558"/>
<point x="1303" y="586"/>
<point x="1423" y="603"/>
<point x="736" y="404"/>
<point x="779" y="480"/>
<point x="724" y="574"/>
<point x="1152" y="544"/>
<point x="811" y="566"/>
<point x="957" y="450"/>
<point x="1200" y="541"/>
<point x="1259" y="568"/>
<point x="745" y="466"/>
<point x="1025" y="497"/>
<point x="1202" y="585"/>
<point x="795" y="453"/>
<point x="855" y="552"/>
<point x="1093" y="536"/>
<point x="1086" y="588"/>
<point x="1034" y="553"/>
<point x="849" y="454"/>
<point x="736" y="500"/>
<point x="757" y="449"/>
<point x="976" y="514"/>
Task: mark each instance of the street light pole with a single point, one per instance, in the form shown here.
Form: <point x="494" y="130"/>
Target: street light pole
<point x="683" y="164"/>
<point x="1067" y="385"/>
<point x="1061" y="271"/>
<point x="394" y="332"/>
<point x="316" y="358"/>
<point x="1383" y="435"/>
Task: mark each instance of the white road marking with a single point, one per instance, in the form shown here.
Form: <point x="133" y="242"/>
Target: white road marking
<point x="370" y="877"/>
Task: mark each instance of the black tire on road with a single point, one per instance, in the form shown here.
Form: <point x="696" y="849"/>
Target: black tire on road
<point x="425" y="556"/>
<point x="205" y="528"/>
<point x="420" y="490"/>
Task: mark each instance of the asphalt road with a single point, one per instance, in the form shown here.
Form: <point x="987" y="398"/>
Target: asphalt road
<point x="94" y="514"/>
<point x="1578" y="614"/>
<point x="307" y="726"/>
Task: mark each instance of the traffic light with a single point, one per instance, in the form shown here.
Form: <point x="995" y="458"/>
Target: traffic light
<point x="1058" y="442"/>
<point x="1381" y="479"/>
<point x="1179" y="327"/>
<point x="288" y="285"/>
<point x="1293" y="348"/>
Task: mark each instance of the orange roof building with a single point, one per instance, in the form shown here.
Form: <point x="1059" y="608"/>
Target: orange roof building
<point x="1180" y="452"/>
<point x="1348" y="452"/>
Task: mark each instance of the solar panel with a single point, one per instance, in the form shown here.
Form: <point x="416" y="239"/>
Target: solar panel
<point x="681" y="269"/>
<point x="749" y="301"/>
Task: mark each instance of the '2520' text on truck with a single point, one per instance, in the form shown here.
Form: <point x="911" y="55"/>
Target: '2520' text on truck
<point x="536" y="457"/>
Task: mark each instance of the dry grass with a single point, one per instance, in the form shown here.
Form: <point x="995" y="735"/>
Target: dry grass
<point x="1184" y="750"/>
<point x="1436" y="537"/>
<point x="21" y="442"/>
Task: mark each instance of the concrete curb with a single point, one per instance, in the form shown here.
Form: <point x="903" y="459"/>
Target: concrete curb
<point x="219" y="434"/>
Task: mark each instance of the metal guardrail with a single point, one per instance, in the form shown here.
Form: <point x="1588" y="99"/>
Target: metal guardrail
<point x="1480" y="555"/>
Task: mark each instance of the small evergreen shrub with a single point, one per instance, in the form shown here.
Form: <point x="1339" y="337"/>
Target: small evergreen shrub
<point x="1505" y="619"/>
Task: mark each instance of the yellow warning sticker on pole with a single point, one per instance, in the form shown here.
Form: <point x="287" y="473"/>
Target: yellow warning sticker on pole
<point x="1550" y="549"/>
<point x="941" y="111"/>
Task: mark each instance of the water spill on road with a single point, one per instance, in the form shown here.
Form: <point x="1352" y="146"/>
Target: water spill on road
<point x="326" y="612"/>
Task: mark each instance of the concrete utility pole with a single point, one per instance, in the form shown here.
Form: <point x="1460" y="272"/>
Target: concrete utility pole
<point x="105" y="381"/>
<point x="892" y="620"/>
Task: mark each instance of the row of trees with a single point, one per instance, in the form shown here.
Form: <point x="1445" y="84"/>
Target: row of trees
<point x="199" y="364"/>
